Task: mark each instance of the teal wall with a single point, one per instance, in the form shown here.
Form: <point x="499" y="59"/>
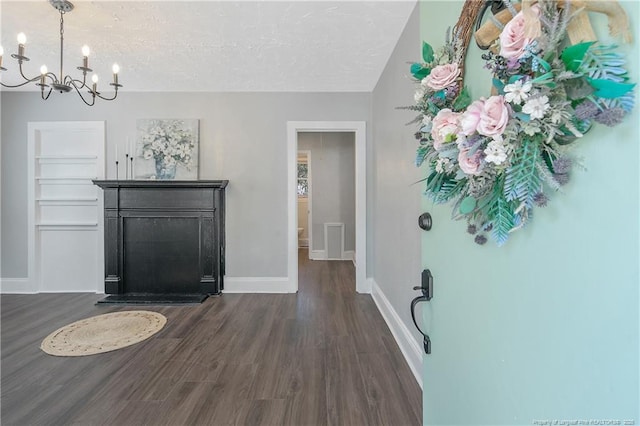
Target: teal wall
<point x="546" y="327"/>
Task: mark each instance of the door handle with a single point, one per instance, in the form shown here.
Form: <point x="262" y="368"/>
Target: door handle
<point x="427" y="294"/>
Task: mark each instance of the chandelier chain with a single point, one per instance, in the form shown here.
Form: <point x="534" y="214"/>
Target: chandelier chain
<point x="61" y="42"/>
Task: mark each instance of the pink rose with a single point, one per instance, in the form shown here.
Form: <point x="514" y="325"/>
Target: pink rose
<point x="446" y="124"/>
<point x="471" y="117"/>
<point x="514" y="38"/>
<point x="470" y="165"/>
<point x="442" y="76"/>
<point x="494" y="117"/>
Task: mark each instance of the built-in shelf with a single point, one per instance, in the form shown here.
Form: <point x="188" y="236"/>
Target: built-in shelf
<point x="67" y="157"/>
<point x="65" y="178"/>
<point x="63" y="199"/>
<point x="68" y="224"/>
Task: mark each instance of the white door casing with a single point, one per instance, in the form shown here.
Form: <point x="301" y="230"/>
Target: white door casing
<point x="359" y="129"/>
<point x="65" y="219"/>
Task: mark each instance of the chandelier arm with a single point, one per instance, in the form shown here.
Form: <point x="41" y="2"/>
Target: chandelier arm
<point x="21" y="84"/>
<point x="93" y="100"/>
<point x="44" y="98"/>
<point x="78" y="84"/>
<point x="24" y="76"/>
<point x="115" y="95"/>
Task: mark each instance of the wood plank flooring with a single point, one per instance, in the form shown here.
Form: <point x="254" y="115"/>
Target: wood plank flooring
<point x="323" y="356"/>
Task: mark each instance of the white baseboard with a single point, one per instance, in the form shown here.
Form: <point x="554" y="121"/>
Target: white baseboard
<point x="317" y="255"/>
<point x="349" y="255"/>
<point x="322" y="255"/>
<point x="408" y="346"/>
<point x="303" y="242"/>
<point x="16" y="286"/>
<point x="257" y="285"/>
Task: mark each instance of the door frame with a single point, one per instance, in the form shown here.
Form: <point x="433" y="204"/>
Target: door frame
<point x="359" y="130"/>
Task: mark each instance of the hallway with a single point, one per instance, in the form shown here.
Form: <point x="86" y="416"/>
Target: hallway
<point x="323" y="356"/>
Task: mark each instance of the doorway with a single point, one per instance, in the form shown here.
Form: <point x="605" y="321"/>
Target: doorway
<point x="360" y="258"/>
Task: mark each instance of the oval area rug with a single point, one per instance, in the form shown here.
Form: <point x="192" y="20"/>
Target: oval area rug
<point x="103" y="333"/>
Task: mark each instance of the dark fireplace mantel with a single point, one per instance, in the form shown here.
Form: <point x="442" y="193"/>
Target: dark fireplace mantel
<point x="164" y="237"/>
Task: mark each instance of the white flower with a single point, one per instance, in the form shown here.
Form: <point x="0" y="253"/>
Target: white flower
<point x="495" y="152"/>
<point x="530" y="128"/>
<point x="441" y="164"/>
<point x="517" y="92"/>
<point x="427" y="124"/>
<point x="536" y="107"/>
<point x="148" y="154"/>
<point x="418" y="95"/>
<point x="556" y="117"/>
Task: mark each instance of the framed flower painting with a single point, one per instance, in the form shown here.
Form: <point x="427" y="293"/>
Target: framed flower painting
<point x="167" y="149"/>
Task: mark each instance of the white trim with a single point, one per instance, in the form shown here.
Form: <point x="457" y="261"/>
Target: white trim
<point x="349" y="255"/>
<point x="16" y="286"/>
<point x="257" y="285"/>
<point x="303" y="243"/>
<point x="322" y="255"/>
<point x="408" y="345"/>
<point x="317" y="255"/>
<point x="359" y="128"/>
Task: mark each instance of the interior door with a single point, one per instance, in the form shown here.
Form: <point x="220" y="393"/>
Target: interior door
<point x="65" y="208"/>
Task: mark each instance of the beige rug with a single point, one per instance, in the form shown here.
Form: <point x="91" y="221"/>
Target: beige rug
<point x="103" y="333"/>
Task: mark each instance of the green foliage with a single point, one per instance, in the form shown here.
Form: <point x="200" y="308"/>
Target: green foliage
<point x="502" y="218"/>
<point x="522" y="180"/>
<point x="603" y="62"/>
<point x="467" y="205"/>
<point x="421" y="154"/>
<point x="609" y="89"/>
<point x="427" y="52"/>
<point x="449" y="189"/>
<point x="419" y="72"/>
<point x="462" y="101"/>
<point x="572" y="56"/>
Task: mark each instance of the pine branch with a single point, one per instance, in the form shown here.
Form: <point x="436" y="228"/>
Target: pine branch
<point x="448" y="190"/>
<point x="502" y="218"/>
<point x="522" y="180"/>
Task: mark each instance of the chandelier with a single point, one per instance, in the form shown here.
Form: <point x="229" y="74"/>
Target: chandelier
<point x="49" y="81"/>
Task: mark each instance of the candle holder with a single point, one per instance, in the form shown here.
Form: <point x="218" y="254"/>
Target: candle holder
<point x="117" y="170"/>
<point x="131" y="160"/>
<point x="126" y="166"/>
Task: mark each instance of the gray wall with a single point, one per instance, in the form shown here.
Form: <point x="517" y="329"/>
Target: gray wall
<point x="333" y="183"/>
<point x="242" y="138"/>
<point x="396" y="199"/>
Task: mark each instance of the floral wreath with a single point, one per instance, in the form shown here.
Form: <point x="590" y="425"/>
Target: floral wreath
<point x="496" y="158"/>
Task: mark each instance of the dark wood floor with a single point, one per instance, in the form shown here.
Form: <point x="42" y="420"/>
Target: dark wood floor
<point x="323" y="356"/>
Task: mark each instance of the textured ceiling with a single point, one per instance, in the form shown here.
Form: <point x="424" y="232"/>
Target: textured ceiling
<point x="316" y="46"/>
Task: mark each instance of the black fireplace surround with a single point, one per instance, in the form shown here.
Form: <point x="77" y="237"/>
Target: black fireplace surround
<point x="163" y="239"/>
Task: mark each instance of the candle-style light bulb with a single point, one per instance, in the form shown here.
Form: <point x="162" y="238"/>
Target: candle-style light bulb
<point x="22" y="39"/>
<point x="94" y="78"/>
<point x="43" y="74"/>
<point x="85" y="57"/>
<point x="116" y="70"/>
